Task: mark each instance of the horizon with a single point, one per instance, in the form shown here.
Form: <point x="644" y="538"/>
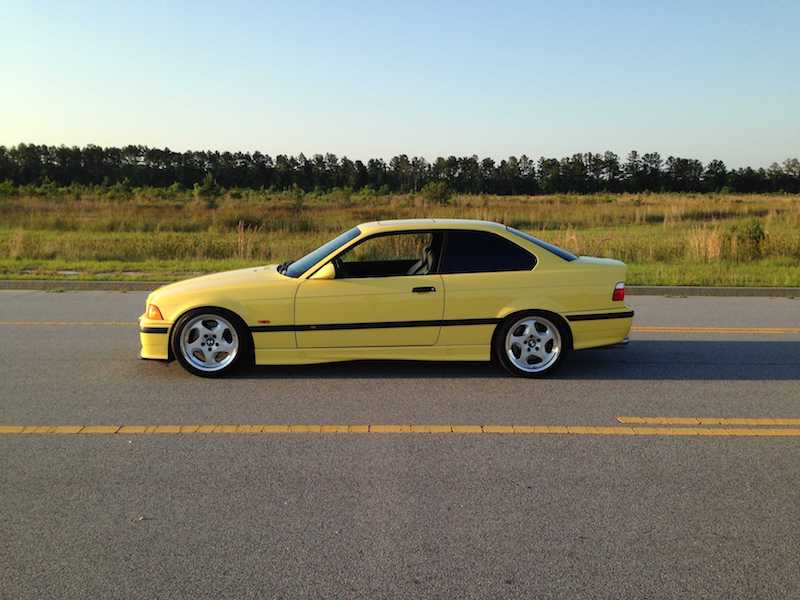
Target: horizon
<point x="377" y="82"/>
<point x="622" y="158"/>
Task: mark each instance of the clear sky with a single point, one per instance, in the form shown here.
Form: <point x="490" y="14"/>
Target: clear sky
<point x="695" y="79"/>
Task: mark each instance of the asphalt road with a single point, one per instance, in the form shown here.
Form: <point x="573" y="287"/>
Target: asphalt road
<point x="398" y="515"/>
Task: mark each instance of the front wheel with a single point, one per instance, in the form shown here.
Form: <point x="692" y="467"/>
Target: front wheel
<point x="209" y="342"/>
<point x="531" y="345"/>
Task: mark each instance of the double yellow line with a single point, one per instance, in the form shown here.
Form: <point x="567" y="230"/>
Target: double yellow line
<point x="630" y="426"/>
<point x="707" y="421"/>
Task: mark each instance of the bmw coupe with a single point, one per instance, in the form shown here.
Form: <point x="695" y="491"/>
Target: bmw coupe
<point x="423" y="289"/>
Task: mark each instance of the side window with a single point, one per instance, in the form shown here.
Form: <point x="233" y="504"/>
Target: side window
<point x="388" y="256"/>
<point x="482" y="252"/>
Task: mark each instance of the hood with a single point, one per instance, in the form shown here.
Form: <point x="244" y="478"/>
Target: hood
<point x="224" y="289"/>
<point x="225" y="280"/>
<point x="237" y="291"/>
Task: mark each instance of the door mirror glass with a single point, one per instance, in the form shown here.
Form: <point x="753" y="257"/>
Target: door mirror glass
<point x="326" y="272"/>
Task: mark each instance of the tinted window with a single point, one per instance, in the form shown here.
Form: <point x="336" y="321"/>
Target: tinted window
<point x="480" y="252"/>
<point x="302" y="265"/>
<point x="560" y="252"/>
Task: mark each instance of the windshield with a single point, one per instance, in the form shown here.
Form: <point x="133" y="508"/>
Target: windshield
<point x="302" y="265"/>
<point x="561" y="253"/>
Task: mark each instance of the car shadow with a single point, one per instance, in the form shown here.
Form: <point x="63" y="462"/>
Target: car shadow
<point x="703" y="360"/>
<point x="700" y="360"/>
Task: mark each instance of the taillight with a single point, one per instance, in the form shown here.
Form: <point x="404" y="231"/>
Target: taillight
<point x="619" y="292"/>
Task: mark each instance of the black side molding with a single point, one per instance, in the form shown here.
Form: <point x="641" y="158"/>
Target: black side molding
<point x="381" y="325"/>
<point x="403" y="324"/>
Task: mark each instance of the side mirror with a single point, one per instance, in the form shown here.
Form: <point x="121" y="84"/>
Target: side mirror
<point x="326" y="272"/>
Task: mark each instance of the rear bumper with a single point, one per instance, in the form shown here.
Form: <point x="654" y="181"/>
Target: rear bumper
<point x="618" y="346"/>
<point x="600" y="329"/>
<point x="154" y="339"/>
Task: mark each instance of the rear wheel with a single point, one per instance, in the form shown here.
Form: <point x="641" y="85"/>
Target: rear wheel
<point x="531" y="345"/>
<point x="210" y="342"/>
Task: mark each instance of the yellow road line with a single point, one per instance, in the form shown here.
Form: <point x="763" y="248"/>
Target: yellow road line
<point x="615" y="430"/>
<point x="708" y="421"/>
<point x="722" y="330"/>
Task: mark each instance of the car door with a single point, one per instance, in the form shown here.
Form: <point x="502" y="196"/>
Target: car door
<point x="482" y="273"/>
<point x="384" y="294"/>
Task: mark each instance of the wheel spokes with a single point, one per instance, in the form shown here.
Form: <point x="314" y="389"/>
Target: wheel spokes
<point x="209" y="343"/>
<point x="224" y="346"/>
<point x="210" y="325"/>
<point x="521" y="332"/>
<point x="544" y="336"/>
<point x="196" y="342"/>
<point x="533" y="344"/>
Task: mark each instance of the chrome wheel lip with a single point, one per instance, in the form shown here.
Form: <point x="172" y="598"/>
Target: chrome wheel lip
<point x="189" y="348"/>
<point x="537" y="345"/>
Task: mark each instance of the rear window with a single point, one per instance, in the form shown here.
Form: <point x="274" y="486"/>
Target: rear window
<point x="560" y="252"/>
<point x="482" y="252"/>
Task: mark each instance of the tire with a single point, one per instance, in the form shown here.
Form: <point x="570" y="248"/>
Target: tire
<point x="211" y="342"/>
<point x="531" y="344"/>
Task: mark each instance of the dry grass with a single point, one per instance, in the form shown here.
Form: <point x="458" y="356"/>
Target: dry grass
<point x="649" y="231"/>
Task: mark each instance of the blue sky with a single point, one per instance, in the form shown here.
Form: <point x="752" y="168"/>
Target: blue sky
<point x="696" y="79"/>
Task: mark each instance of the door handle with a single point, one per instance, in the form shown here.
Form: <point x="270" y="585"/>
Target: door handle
<point x="424" y="289"/>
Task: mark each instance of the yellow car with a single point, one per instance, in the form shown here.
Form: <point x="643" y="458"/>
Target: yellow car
<point x="422" y="289"/>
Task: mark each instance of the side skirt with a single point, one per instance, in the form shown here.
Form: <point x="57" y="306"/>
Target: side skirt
<point x="309" y="356"/>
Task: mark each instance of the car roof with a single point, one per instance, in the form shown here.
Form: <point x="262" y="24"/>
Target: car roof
<point x="412" y="224"/>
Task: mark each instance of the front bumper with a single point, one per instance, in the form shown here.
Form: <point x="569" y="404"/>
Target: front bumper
<point x="154" y="338"/>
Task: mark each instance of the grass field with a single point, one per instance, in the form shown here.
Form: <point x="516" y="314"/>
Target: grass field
<point x="690" y="239"/>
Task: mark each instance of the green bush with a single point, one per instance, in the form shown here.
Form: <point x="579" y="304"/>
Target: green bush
<point x="208" y="191"/>
<point x="749" y="237"/>
<point x="48" y="189"/>
<point x="7" y="189"/>
<point x="436" y="192"/>
<point x="175" y="189"/>
<point x="121" y="190"/>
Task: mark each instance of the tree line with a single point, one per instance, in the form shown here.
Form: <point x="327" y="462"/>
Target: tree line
<point x="31" y="164"/>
